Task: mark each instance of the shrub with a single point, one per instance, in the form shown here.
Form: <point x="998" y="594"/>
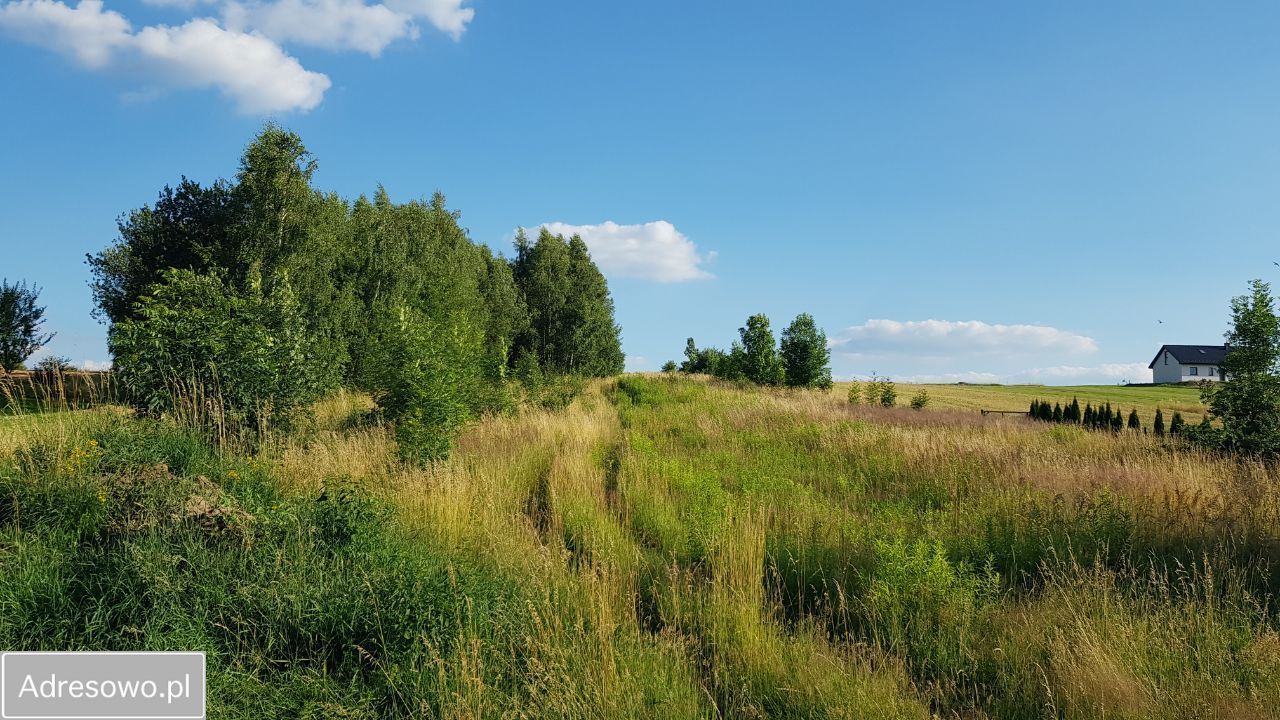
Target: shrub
<point x="430" y="382"/>
<point x="888" y="393"/>
<point x="855" y="393"/>
<point x="670" y="366"/>
<point x="200" y="348"/>
<point x="920" y="400"/>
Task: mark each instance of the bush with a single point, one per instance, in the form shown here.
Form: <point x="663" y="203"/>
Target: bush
<point x="920" y="400"/>
<point x="214" y="355"/>
<point x="431" y="382"/>
<point x="880" y="391"/>
<point x="670" y="366"/>
<point x="855" y="393"/>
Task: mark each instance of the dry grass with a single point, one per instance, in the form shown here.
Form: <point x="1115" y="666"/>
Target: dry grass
<point x="684" y="548"/>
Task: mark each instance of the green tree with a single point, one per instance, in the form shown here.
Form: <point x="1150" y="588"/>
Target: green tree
<point x="694" y="361"/>
<point x="1057" y="412"/>
<point x="1247" y="401"/>
<point x="670" y="367"/>
<point x="225" y="358"/>
<point x="430" y="377"/>
<point x="1158" y="426"/>
<point x="759" y="358"/>
<point x="920" y="400"/>
<point x="571" y="314"/>
<point x="1135" y="423"/>
<point x="1177" y="425"/>
<point x="888" y="393"/>
<point x="806" y="361"/>
<point x="21" y="324"/>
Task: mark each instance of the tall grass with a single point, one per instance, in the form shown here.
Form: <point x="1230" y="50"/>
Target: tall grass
<point x="659" y="547"/>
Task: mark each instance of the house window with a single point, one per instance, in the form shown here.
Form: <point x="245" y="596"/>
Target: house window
<point x="1195" y="370"/>
<point x="1213" y="371"/>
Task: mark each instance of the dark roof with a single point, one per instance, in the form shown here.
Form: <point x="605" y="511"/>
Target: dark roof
<point x="1193" y="354"/>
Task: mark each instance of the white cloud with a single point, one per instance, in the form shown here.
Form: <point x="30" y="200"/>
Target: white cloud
<point x="346" y="24"/>
<point x="86" y="33"/>
<point x="446" y="15"/>
<point x="94" y="365"/>
<point x="178" y="4"/>
<point x="638" y="363"/>
<point x="250" y="69"/>
<point x="239" y="56"/>
<point x="950" y="339"/>
<point x="1106" y="373"/>
<point x="329" y="24"/>
<point x="652" y="250"/>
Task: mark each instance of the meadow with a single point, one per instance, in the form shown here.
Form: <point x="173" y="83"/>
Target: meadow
<point x="1184" y="398"/>
<point x="661" y="547"/>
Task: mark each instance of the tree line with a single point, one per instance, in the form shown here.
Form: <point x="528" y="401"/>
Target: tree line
<point x="802" y="359"/>
<point x="1102" y="417"/>
<point x="266" y="292"/>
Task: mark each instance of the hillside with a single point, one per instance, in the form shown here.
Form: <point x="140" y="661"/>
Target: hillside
<point x="1144" y="398"/>
<point x="662" y="547"/>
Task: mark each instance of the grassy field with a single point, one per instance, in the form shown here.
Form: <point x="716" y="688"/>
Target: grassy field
<point x="1143" y="398"/>
<point x="666" y="548"/>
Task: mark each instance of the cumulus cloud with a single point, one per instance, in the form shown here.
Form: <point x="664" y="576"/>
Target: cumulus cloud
<point x="86" y="33"/>
<point x="651" y="251"/>
<point x="446" y="15"/>
<point x="1106" y="373"/>
<point x="239" y="55"/>
<point x="250" y="69"/>
<point x="94" y="365"/>
<point x="950" y="339"/>
<point x="346" y="24"/>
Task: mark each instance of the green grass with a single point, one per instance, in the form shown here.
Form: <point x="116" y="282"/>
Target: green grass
<point x="659" y="547"/>
<point x="1144" y="398"/>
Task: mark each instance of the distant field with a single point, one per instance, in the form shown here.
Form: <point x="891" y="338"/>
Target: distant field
<point x="1145" y="398"/>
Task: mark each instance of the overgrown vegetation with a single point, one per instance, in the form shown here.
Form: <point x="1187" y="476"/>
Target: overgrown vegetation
<point x="803" y="361"/>
<point x="658" y="547"/>
<point x="245" y="300"/>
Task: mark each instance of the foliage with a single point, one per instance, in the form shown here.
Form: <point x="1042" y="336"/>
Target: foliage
<point x="194" y="340"/>
<point x="880" y="391"/>
<point x="920" y="400"/>
<point x="269" y="242"/>
<point x="806" y="360"/>
<point x="430" y="380"/>
<point x="1247" y="401"/>
<point x="670" y="366"/>
<point x="21" y="323"/>
<point x="571" y="326"/>
<point x="758" y="358"/>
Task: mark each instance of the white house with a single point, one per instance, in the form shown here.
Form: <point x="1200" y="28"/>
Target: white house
<point x="1188" y="363"/>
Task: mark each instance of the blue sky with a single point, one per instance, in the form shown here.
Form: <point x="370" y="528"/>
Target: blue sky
<point x="994" y="191"/>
